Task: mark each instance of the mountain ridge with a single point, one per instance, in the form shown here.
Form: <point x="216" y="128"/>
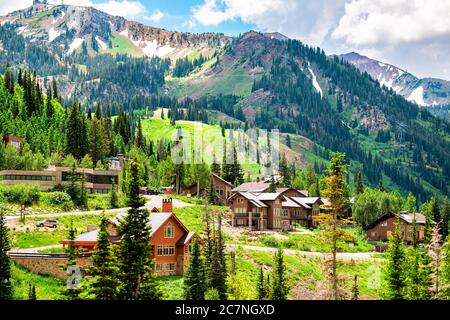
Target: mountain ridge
<point x="425" y="92"/>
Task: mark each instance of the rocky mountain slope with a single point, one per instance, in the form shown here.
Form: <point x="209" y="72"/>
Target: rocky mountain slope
<point x="69" y="29"/>
<point x="424" y="92"/>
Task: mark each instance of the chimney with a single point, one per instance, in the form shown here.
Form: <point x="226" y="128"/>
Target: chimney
<point x="167" y="205"/>
<point x="121" y="160"/>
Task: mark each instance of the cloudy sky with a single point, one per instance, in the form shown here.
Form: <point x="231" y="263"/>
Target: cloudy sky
<point x="411" y="34"/>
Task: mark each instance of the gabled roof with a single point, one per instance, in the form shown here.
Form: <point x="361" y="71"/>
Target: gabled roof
<point x="268" y="196"/>
<point x="223" y="180"/>
<point x="307" y="202"/>
<point x="283" y="190"/>
<point x="407" y="217"/>
<point x="252" y="187"/>
<point x="289" y="203"/>
<point x="186" y="238"/>
<point x="253" y="198"/>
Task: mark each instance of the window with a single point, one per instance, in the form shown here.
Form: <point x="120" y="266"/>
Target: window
<point x="188" y="249"/>
<point x="158" y="267"/>
<point x="169" y="231"/>
<point x="383" y="224"/>
<point x="170" y="267"/>
<point x="166" y="250"/>
<point x="284" y="213"/>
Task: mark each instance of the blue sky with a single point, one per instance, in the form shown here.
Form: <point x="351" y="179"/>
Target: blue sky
<point x="413" y="35"/>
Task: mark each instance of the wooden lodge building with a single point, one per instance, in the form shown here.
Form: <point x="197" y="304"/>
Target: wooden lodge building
<point x="382" y="228"/>
<point x="223" y="189"/>
<point x="170" y="240"/>
<point x="252" y="206"/>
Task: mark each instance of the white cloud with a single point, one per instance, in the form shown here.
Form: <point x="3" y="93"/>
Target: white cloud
<point x="309" y="21"/>
<point x="368" y="22"/>
<point x="10" y="6"/>
<point x="122" y="8"/>
<point x="155" y="17"/>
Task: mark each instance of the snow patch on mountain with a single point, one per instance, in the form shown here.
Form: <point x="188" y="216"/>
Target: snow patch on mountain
<point x="314" y="81"/>
<point x="76" y="43"/>
<point x="417" y="96"/>
<point x="53" y="34"/>
<point x="102" y="44"/>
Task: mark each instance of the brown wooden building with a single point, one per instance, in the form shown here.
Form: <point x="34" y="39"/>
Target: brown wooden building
<point x="223" y="189"/>
<point x="382" y="228"/>
<point x="170" y="240"/>
<point x="280" y="210"/>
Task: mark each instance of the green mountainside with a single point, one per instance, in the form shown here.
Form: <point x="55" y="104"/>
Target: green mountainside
<point x="319" y="103"/>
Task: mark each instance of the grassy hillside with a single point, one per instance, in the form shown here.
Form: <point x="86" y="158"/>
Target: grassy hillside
<point x="156" y="129"/>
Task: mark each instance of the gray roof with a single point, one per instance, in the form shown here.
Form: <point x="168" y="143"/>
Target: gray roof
<point x="186" y="238"/>
<point x="409" y="217"/>
<point x="156" y="219"/>
<point x="289" y="203"/>
<point x="252" y="187"/>
<point x="253" y="198"/>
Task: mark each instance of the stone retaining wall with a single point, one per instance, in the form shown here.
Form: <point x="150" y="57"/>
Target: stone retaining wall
<point x="47" y="264"/>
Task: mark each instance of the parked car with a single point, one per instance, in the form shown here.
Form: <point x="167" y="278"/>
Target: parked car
<point x="47" y="223"/>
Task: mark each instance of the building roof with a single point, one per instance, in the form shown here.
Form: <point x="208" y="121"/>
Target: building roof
<point x="268" y="196"/>
<point x="185" y="239"/>
<point x="289" y="203"/>
<point x="307" y="202"/>
<point x="223" y="180"/>
<point x="157" y="219"/>
<point x="252" y="187"/>
<point x="253" y="198"/>
<point x="407" y="217"/>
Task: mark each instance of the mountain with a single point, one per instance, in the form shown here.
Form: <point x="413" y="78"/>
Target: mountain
<point x="424" y="92"/>
<point x="69" y="29"/>
<point x="257" y="80"/>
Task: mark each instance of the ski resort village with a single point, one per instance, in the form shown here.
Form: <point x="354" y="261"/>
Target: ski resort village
<point x="139" y="163"/>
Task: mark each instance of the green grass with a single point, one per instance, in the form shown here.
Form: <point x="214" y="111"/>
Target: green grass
<point x="36" y="238"/>
<point x="121" y="45"/>
<point x="313" y="242"/>
<point x="47" y="288"/>
<point x="192" y="216"/>
<point x="172" y="286"/>
<point x="192" y="200"/>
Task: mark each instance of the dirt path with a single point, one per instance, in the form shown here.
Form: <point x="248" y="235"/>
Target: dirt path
<point x="343" y="256"/>
<point x="34" y="250"/>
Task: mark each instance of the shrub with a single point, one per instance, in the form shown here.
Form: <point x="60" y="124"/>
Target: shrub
<point x="57" y="198"/>
<point x="21" y="194"/>
<point x="269" y="241"/>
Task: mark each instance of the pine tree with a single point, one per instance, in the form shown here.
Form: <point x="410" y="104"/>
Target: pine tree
<point x="83" y="191"/>
<point x="113" y="198"/>
<point x="279" y="285"/>
<point x="215" y="167"/>
<point x="284" y="172"/>
<point x="272" y="185"/>
<point x="140" y="136"/>
<point x="73" y="290"/>
<point x="98" y="144"/>
<point x="195" y="279"/>
<point x="359" y="186"/>
<point x="6" y="290"/>
<point x="260" y="289"/>
<point x="55" y="89"/>
<point x="336" y="191"/>
<point x="380" y="186"/>
<point x="394" y="271"/>
<point x="76" y="133"/>
<point x="9" y="81"/>
<point x="428" y="225"/>
<point x="104" y="283"/>
<point x="134" y="250"/>
<point x="98" y="112"/>
<point x="445" y="216"/>
<point x="212" y="195"/>
<point x="355" y="289"/>
<point x="435" y="210"/>
<point x="31" y="292"/>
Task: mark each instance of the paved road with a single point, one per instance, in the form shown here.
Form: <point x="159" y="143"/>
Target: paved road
<point x="152" y="201"/>
<point x="343" y="256"/>
<point x="34" y="250"/>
